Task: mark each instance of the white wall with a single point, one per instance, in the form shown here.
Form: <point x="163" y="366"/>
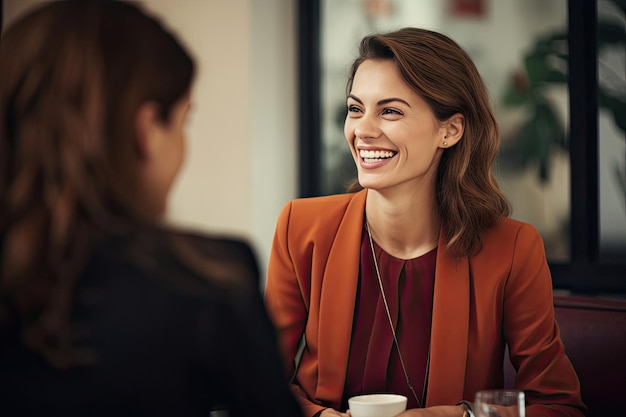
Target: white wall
<point x="241" y="165"/>
<point x="273" y="116"/>
<point x="242" y="143"/>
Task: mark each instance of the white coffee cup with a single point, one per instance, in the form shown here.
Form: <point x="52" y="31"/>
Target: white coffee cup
<point x="377" y="405"/>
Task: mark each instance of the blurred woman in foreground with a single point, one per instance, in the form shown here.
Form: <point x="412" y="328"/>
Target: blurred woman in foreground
<point x="103" y="309"/>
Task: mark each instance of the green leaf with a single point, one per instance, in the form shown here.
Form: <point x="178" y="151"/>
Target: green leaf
<point x="610" y="33"/>
<point x="514" y="97"/>
<point x="535" y="68"/>
<point x="536" y="137"/>
<point x="554" y="76"/>
<point x="617" y="107"/>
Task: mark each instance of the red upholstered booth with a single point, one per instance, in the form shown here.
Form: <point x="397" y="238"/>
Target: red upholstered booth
<point x="594" y="333"/>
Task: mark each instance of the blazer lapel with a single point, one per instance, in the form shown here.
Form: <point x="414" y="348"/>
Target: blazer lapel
<point x="450" y="328"/>
<point x="337" y="301"/>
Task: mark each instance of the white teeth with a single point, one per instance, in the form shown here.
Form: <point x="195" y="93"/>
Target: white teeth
<point x="374" y="155"/>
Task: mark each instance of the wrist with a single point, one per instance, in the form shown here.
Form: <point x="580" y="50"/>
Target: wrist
<point x="467" y="409"/>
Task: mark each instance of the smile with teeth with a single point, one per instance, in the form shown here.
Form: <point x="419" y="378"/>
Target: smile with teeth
<point x="375" y="156"/>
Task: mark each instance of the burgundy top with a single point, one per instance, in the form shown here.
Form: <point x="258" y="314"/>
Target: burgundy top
<point x="374" y="365"/>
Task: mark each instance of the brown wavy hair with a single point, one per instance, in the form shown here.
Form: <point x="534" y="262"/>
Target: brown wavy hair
<point x="440" y="71"/>
<point x="72" y="77"/>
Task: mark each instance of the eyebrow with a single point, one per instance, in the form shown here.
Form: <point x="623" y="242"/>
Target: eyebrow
<point x="383" y="101"/>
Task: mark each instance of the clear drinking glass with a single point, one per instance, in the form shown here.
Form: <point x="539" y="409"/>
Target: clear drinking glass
<point x="500" y="403"/>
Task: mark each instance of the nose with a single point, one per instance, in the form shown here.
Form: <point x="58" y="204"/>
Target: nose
<point x="367" y="127"/>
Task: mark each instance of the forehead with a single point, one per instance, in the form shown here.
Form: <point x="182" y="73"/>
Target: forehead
<point x="376" y="76"/>
<point x="380" y="80"/>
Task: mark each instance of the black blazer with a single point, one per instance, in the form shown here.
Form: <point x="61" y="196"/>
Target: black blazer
<point x="178" y="326"/>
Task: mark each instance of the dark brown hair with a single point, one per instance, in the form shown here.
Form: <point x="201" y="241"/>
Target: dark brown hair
<point x="441" y="72"/>
<point x="72" y="76"/>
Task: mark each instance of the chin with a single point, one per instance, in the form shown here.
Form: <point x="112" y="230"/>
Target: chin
<point x="369" y="183"/>
<point x="373" y="187"/>
<point x="158" y="211"/>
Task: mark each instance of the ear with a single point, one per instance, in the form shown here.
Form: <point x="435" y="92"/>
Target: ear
<point x="147" y="128"/>
<point x="453" y="129"/>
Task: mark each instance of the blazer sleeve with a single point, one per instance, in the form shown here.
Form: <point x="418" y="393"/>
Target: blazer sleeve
<point x="243" y="349"/>
<point x="283" y="296"/>
<point x="536" y="351"/>
<point x="287" y="296"/>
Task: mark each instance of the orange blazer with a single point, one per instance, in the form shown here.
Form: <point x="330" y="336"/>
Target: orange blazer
<point x="501" y="296"/>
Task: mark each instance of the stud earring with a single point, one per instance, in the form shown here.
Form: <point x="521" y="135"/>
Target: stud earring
<point x="445" y="144"/>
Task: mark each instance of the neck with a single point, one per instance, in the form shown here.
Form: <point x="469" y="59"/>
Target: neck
<point x="405" y="225"/>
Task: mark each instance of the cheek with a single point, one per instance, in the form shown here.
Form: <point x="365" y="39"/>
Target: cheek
<point x="181" y="153"/>
<point x="182" y="150"/>
<point x="348" y="130"/>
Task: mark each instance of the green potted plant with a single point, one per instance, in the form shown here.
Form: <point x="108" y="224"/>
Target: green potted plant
<point x="542" y="132"/>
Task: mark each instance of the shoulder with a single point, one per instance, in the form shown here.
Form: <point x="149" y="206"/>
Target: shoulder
<point x="186" y="259"/>
<point x="227" y="248"/>
<point x="511" y="230"/>
<point x="321" y="209"/>
<point x="511" y="251"/>
<point x="319" y="219"/>
<point x="321" y="204"/>
<point x="510" y="238"/>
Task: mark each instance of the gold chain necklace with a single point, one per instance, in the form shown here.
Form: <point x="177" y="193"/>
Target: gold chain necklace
<point x="393" y="330"/>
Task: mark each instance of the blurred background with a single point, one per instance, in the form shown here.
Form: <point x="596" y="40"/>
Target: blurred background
<point x="269" y="105"/>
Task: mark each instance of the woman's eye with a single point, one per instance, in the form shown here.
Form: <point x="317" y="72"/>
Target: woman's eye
<point x="392" y="112"/>
<point x="353" y="109"/>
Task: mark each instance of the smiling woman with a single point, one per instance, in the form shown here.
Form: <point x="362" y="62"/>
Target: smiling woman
<point x="545" y="204"/>
<point x="415" y="281"/>
<point x="392" y="133"/>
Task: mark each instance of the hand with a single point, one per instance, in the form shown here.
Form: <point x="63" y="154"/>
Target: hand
<point x="329" y="412"/>
<point x="437" y="411"/>
<point x="504" y="411"/>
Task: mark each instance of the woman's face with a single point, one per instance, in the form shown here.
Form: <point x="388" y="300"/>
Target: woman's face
<point x="171" y="152"/>
<point x="393" y="134"/>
